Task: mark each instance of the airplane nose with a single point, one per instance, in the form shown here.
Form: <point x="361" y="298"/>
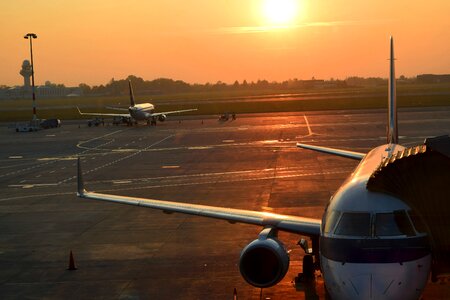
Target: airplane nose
<point x="376" y="286"/>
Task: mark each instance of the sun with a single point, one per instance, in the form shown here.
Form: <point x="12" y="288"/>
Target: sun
<point x="280" y="12"/>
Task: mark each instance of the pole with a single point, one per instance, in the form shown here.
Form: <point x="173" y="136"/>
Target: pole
<point x="32" y="36"/>
<point x="32" y="79"/>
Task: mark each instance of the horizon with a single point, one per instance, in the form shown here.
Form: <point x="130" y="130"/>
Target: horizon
<point x="203" y="41"/>
<point x="413" y="77"/>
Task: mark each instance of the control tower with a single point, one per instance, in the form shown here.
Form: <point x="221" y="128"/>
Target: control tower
<point x="26" y="73"/>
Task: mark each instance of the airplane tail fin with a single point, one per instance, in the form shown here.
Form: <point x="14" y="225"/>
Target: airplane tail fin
<point x="392" y="129"/>
<point x="131" y="93"/>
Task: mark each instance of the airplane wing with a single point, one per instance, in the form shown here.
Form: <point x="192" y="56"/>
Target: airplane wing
<point x="294" y="224"/>
<point x="171" y="112"/>
<point x="117" y="108"/>
<point x="127" y="115"/>
<point x="338" y="152"/>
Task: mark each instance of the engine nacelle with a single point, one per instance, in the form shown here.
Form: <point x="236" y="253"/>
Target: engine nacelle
<point x="264" y="262"/>
<point x="162" y="118"/>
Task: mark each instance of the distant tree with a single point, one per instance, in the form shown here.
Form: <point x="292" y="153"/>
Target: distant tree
<point x="86" y="89"/>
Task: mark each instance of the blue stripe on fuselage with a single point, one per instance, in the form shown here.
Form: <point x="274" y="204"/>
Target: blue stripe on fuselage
<point x="372" y="250"/>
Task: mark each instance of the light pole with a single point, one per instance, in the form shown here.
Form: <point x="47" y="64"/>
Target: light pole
<point x="32" y="36"/>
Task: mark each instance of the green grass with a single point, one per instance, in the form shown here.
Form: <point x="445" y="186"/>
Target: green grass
<point x="376" y="97"/>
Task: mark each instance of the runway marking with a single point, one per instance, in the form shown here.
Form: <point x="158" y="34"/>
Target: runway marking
<point x="28" y="186"/>
<point x="119" y="159"/>
<point x="199" y="148"/>
<point x="121" y="181"/>
<point x="16" y="156"/>
<point x="307" y="125"/>
<point x="224" y="181"/>
<point x="228" y="141"/>
<point x="79" y="145"/>
<point x="170" y="167"/>
<point x="36" y="195"/>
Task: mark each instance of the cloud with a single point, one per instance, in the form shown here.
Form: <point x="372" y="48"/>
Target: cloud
<point x="261" y="29"/>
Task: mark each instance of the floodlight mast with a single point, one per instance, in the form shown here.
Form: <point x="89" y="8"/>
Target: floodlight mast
<point x="32" y="36"/>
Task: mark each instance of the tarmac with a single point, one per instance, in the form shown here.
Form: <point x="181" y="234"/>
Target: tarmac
<point x="124" y="252"/>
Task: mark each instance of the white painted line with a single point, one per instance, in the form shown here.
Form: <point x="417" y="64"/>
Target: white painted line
<point x="170" y="167"/>
<point x="228" y="141"/>
<point x="307" y="124"/>
<point x="122" y="181"/>
<point x="50" y="135"/>
<point x="16" y="156"/>
<point x="199" y="148"/>
<point x="52" y="172"/>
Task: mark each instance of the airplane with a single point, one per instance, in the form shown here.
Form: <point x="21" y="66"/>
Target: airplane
<point x="371" y="242"/>
<point x="137" y="112"/>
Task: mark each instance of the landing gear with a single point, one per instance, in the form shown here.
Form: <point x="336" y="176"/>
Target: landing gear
<point x="308" y="275"/>
<point x="153" y="123"/>
<point x="308" y="266"/>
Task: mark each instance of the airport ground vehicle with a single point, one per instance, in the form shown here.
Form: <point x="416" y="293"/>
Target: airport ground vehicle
<point x="95" y="122"/>
<point x="50" y="123"/>
<point x="33" y="125"/>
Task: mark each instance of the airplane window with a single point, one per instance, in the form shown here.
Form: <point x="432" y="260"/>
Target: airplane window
<point x="330" y="221"/>
<point x="354" y="224"/>
<point x="417" y="221"/>
<point x="390" y="224"/>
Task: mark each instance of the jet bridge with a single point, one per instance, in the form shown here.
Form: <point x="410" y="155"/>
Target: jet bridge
<point x="420" y="176"/>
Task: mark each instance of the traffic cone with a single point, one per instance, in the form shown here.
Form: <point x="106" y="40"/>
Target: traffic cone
<point x="71" y="262"/>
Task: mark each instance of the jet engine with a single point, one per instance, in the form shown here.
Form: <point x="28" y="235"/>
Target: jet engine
<point x="162" y="118"/>
<point x="265" y="261"/>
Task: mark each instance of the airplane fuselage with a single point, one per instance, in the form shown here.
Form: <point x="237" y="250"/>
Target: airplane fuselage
<point x="142" y="111"/>
<point x="371" y="246"/>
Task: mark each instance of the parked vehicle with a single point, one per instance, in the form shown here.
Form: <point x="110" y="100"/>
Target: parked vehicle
<point x="95" y="122"/>
<point x="51" y="123"/>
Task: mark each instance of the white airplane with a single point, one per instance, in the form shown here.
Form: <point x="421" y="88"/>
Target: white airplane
<point x="368" y="244"/>
<point x="138" y="112"/>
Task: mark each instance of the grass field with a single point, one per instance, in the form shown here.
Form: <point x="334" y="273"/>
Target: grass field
<point x="237" y="101"/>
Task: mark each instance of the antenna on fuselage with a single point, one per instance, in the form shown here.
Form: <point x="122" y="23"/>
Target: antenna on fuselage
<point x="131" y="93"/>
<point x="392" y="130"/>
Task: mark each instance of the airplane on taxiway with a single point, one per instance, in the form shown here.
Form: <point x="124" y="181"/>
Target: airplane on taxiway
<point x="138" y="112"/>
<point x="372" y="241"/>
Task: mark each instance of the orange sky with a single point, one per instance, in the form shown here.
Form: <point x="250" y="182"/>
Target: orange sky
<point x="210" y="40"/>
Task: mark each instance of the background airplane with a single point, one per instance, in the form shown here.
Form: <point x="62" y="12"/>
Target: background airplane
<point x="371" y="242"/>
<point x="138" y="112"/>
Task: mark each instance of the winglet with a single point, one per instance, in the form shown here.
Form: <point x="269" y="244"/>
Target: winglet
<point x="81" y="190"/>
<point x="131" y="93"/>
<point x="392" y="134"/>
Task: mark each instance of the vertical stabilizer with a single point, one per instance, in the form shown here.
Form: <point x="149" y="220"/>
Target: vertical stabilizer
<point x="392" y="130"/>
<point x="131" y="93"/>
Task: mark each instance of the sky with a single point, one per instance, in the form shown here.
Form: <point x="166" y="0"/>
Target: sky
<point x="201" y="41"/>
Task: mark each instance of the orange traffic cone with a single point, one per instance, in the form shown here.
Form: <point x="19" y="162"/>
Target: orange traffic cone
<point x="71" y="262"/>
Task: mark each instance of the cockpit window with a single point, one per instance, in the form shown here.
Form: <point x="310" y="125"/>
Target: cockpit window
<point x="330" y="221"/>
<point x="354" y="224"/>
<point x="391" y="224"/>
<point x="417" y="222"/>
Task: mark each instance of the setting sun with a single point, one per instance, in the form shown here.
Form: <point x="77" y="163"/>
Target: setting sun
<point x="280" y="12"/>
